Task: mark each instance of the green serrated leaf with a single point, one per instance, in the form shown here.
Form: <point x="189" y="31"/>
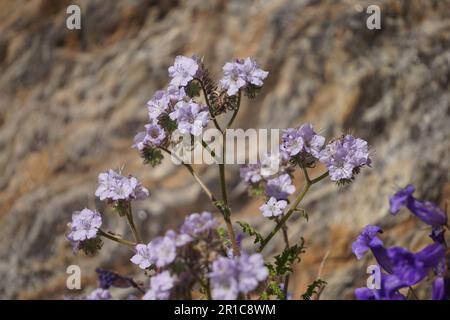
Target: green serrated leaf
<point x="285" y="261"/>
<point x="314" y="288"/>
<point x="248" y="229"/>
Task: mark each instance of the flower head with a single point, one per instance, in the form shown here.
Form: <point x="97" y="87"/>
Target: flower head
<point x="113" y="186"/>
<point x="198" y="223"/>
<point x="85" y="225"/>
<point x="158" y="105"/>
<point x="303" y="139"/>
<point x="389" y="290"/>
<point x="240" y="74"/>
<point x="344" y="155"/>
<point x="143" y="256"/>
<point x="160" y="286"/>
<point x="229" y="276"/>
<point x="190" y="116"/>
<point x="99" y="294"/>
<point x="233" y="78"/>
<point x="182" y="71"/>
<point x="273" y="208"/>
<point x="424" y="210"/>
<point x="280" y="187"/>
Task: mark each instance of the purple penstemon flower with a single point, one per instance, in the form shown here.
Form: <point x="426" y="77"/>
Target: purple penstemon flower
<point x="273" y="208"/>
<point x="368" y="240"/>
<point x="280" y="187"/>
<point x="410" y="267"/>
<point x="84" y="225"/>
<point x="190" y="116"/>
<point x="424" y="210"/>
<point x="183" y="70"/>
<point x="343" y="156"/>
<point x="389" y="290"/>
<point x="160" y="286"/>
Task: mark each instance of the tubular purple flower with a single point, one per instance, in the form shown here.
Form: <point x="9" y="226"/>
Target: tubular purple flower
<point x="389" y="290"/>
<point x="368" y="240"/>
<point x="424" y="210"/>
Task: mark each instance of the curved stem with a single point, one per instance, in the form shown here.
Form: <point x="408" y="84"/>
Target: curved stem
<point x="129" y="216"/>
<point x="116" y="239"/>
<point x="216" y="124"/>
<point x="235" y="111"/>
<point x="214" y="201"/>
<point x="293" y="207"/>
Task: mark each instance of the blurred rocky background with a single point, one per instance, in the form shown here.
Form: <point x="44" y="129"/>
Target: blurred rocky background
<point x="71" y="102"/>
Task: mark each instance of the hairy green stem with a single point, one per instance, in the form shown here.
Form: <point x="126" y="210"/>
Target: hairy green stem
<point x="115" y="239"/>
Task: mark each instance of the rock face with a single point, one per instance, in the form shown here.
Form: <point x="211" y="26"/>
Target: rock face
<point x="71" y="102"/>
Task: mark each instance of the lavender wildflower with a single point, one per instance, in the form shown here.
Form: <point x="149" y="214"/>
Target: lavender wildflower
<point x="190" y="117"/>
<point x="160" y="286"/>
<point x="158" y="105"/>
<point x="252" y="73"/>
<point x="233" y="78"/>
<point x="229" y="276"/>
<point x="113" y="186"/>
<point x="280" y="187"/>
<point x="303" y="139"/>
<point x="163" y="250"/>
<point x="85" y="225"/>
<point x="143" y="256"/>
<point x="183" y="71"/>
<point x="99" y="294"/>
<point x="197" y="224"/>
<point x="273" y="208"/>
<point x="343" y="156"/>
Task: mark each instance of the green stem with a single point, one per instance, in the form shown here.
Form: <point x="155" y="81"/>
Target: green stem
<point x="116" y="239"/>
<point x="235" y="111"/>
<point x="129" y="216"/>
<point x="293" y="207"/>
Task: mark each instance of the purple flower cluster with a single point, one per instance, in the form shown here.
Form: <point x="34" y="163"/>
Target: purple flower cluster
<point x="113" y="186"/>
<point x="303" y="139"/>
<point x="198" y="224"/>
<point x="424" y="210"/>
<point x="231" y="276"/>
<point x="183" y="71"/>
<point x="99" y="294"/>
<point x="153" y="136"/>
<point x="162" y="251"/>
<point x="160" y="286"/>
<point x="343" y="156"/>
<point x="190" y="116"/>
<point x="280" y="187"/>
<point x="273" y="208"/>
<point x="241" y="73"/>
<point x="84" y="225"/>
